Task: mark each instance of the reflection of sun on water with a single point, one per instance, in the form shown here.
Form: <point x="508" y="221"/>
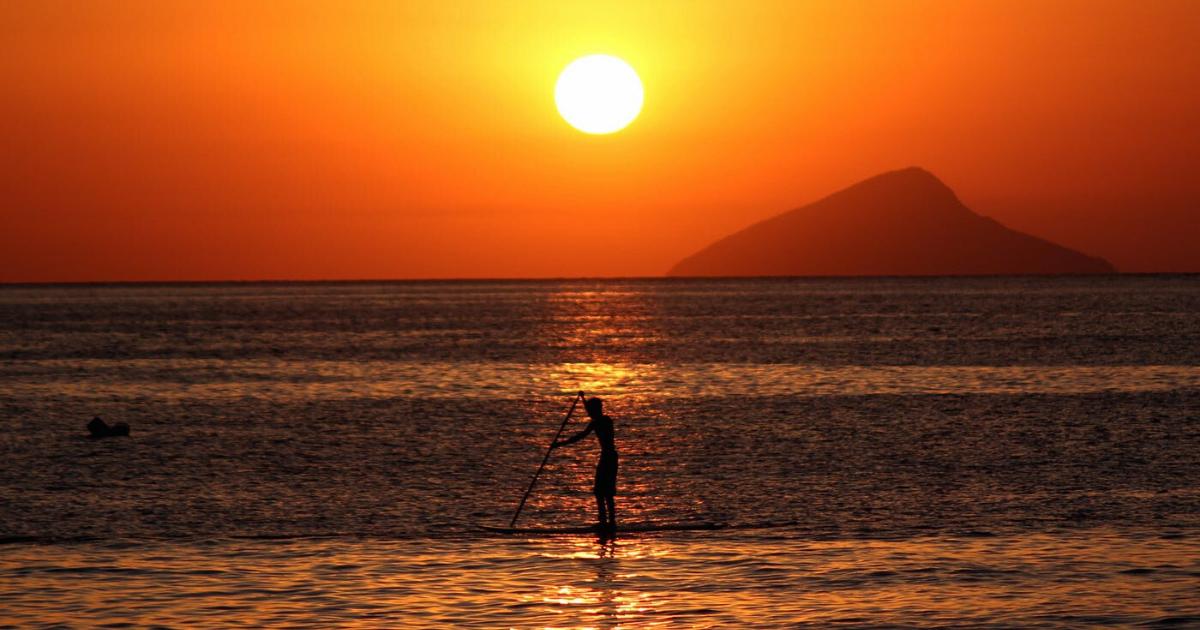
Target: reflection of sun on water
<point x="607" y="600"/>
<point x="607" y="320"/>
<point x="599" y="378"/>
<point x="599" y="333"/>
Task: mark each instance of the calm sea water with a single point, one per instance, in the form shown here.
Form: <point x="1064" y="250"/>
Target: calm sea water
<point x="1014" y="452"/>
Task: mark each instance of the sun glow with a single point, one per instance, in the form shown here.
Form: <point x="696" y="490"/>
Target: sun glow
<point x="598" y="94"/>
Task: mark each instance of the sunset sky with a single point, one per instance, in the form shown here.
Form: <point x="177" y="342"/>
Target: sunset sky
<point x="254" y="140"/>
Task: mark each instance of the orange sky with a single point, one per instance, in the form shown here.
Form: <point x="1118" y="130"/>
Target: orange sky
<point x="233" y="140"/>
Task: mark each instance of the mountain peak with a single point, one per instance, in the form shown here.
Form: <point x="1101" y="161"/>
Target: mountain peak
<point x="912" y="175"/>
<point x="909" y="193"/>
<point x="902" y="222"/>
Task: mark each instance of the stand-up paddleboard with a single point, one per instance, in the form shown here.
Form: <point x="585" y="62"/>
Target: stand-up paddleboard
<point x="621" y="528"/>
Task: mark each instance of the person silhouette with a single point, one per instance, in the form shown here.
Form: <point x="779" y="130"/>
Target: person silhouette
<point x="605" y="487"/>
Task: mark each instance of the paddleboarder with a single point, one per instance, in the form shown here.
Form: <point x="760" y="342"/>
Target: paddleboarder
<point x="606" y="469"/>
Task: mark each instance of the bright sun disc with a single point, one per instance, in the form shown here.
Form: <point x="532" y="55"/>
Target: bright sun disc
<point x="598" y="94"/>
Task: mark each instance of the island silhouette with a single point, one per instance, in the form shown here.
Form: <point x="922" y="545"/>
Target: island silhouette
<point x="905" y="223"/>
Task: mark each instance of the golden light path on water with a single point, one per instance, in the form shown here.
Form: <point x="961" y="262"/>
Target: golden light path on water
<point x="303" y="379"/>
<point x="707" y="580"/>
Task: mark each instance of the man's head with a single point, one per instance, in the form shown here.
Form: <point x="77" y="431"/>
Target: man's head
<point x="594" y="406"/>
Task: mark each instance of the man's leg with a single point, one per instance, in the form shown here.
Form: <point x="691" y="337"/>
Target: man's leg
<point x="600" y="507"/>
<point x="612" y="512"/>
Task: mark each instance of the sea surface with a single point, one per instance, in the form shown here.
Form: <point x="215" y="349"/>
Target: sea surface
<point x="1007" y="452"/>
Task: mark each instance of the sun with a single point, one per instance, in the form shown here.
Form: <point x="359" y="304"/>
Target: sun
<point x="598" y="94"/>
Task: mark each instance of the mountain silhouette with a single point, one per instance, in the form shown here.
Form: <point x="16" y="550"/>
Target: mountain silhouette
<point x="904" y="222"/>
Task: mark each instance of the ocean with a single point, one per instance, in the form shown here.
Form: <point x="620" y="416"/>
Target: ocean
<point x="1007" y="452"/>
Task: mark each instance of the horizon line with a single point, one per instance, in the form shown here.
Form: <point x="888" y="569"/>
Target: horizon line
<point x="432" y="280"/>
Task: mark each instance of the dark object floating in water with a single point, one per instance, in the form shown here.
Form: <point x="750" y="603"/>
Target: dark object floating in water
<point x="99" y="428"/>
<point x="621" y="529"/>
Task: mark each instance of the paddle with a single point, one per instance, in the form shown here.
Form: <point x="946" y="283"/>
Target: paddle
<point x="575" y="401"/>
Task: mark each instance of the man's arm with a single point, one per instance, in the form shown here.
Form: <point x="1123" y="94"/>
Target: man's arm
<point x="575" y="438"/>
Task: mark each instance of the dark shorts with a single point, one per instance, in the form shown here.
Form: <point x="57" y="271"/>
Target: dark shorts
<point x="606" y="474"/>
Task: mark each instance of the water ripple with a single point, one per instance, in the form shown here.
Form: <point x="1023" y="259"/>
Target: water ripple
<point x="704" y="580"/>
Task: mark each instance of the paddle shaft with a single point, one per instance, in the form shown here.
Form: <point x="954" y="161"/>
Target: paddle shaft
<point x="549" y="449"/>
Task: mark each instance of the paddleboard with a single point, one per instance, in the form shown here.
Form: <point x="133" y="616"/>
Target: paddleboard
<point x="621" y="529"/>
